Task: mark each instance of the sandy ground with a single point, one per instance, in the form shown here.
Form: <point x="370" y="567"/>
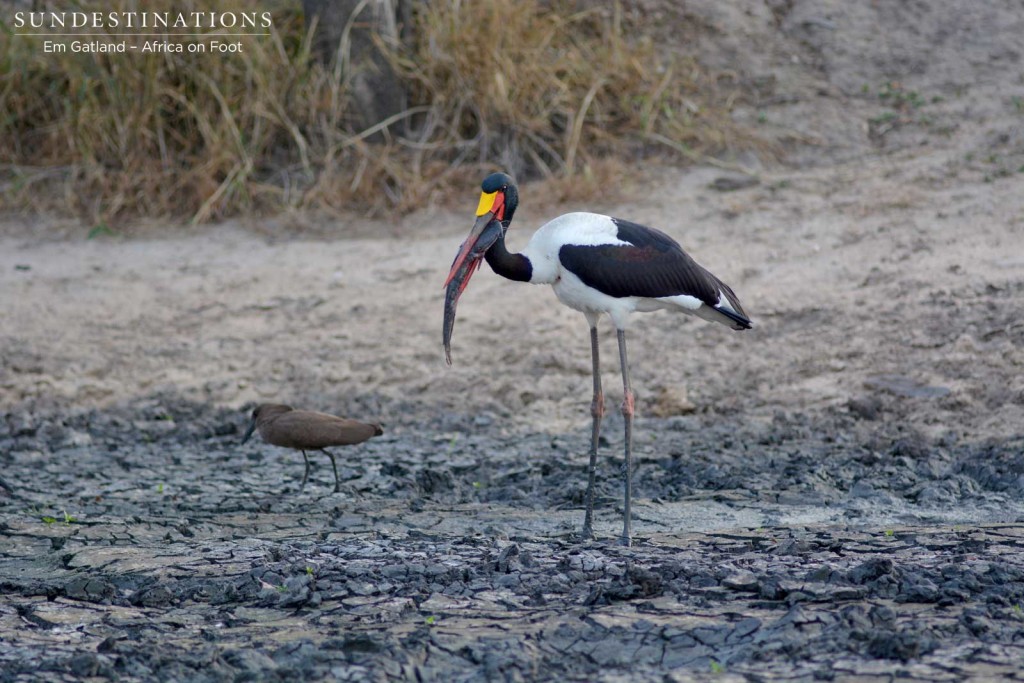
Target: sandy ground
<point x="873" y="415"/>
<point x="901" y="265"/>
<point x="892" y="245"/>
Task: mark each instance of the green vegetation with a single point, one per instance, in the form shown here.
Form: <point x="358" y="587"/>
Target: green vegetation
<point x="902" y="108"/>
<point x="894" y="94"/>
<point x="100" y="230"/>
<point x="556" y="92"/>
<point x="50" y="519"/>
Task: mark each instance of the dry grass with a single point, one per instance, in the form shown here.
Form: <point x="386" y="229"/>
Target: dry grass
<point x="540" y="89"/>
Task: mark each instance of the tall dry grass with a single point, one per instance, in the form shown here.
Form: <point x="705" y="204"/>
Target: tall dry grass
<point x="539" y="88"/>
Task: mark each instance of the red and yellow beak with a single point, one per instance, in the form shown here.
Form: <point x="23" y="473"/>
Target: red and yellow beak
<point x="490" y="208"/>
<point x="486" y="231"/>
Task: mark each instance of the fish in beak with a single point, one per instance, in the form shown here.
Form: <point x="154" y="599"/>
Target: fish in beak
<point x="487" y="230"/>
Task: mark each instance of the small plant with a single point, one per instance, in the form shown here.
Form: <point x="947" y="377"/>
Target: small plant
<point x="160" y="488"/>
<point x="309" y="570"/>
<point x="430" y="621"/>
<point x="902" y="105"/>
<point x="47" y="519"/>
<point x="100" y="230"/>
<point x="883" y="118"/>
<point x="893" y="94"/>
<point x="889" y="533"/>
<point x="717" y="668"/>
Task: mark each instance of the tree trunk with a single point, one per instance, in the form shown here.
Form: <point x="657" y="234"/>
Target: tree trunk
<point x="376" y="90"/>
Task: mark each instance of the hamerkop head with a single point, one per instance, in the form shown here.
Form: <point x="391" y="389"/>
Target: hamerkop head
<point x="264" y="413"/>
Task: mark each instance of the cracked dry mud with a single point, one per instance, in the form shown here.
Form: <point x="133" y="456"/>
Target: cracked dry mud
<point x="453" y="558"/>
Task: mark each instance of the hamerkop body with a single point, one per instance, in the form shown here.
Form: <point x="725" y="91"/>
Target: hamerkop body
<point x="305" y="430"/>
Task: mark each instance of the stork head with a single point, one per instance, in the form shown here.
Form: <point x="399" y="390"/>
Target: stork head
<point x="498" y="200"/>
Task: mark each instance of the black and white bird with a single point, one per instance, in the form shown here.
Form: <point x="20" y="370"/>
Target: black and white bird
<point x="596" y="265"/>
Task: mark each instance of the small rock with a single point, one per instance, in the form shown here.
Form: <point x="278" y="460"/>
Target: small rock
<point x="730" y="183"/>
<point x="88" y="589"/>
<point x="866" y="407"/>
<point x="906" y="387"/>
<point x="741" y="581"/>
<point x="744" y="628"/>
<point x="672" y="401"/>
<point x="869" y="571"/>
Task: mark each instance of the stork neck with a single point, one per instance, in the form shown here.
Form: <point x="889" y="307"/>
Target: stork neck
<point x="512" y="266"/>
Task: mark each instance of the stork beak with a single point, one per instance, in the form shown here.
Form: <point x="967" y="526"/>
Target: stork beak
<point x="250" y="430"/>
<point x="473" y="248"/>
<point x="481" y="237"/>
<point x="486" y="231"/>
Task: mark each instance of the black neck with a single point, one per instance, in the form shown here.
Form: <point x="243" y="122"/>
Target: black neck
<point x="512" y="266"/>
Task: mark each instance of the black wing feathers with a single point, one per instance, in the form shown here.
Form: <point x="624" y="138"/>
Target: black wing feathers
<point x="652" y="265"/>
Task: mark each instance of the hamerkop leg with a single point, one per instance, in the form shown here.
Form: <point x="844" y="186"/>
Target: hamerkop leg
<point x="337" y="482"/>
<point x="305" y="474"/>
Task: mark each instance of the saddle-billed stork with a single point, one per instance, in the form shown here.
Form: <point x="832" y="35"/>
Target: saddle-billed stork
<point x="596" y="264"/>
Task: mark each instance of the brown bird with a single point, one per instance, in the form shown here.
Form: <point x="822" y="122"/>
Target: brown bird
<point x="305" y="430"/>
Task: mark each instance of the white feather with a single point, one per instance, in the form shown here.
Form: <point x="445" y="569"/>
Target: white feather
<point x="591" y="230"/>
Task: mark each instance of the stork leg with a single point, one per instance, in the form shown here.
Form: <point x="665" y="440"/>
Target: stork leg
<point x="305" y="475"/>
<point x="627" y="465"/>
<point x="597" y="412"/>
<point x="337" y="482"/>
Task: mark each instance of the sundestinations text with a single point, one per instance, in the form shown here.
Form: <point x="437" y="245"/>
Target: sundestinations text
<point x="150" y="20"/>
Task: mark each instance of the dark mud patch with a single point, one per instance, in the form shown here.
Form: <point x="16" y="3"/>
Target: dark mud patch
<point x="141" y="542"/>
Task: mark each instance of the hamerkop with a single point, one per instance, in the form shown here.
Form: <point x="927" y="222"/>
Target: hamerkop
<point x="305" y="430"/>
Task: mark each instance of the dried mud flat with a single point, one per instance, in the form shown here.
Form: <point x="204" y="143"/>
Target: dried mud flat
<point x="836" y="494"/>
<point x="454" y="559"/>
